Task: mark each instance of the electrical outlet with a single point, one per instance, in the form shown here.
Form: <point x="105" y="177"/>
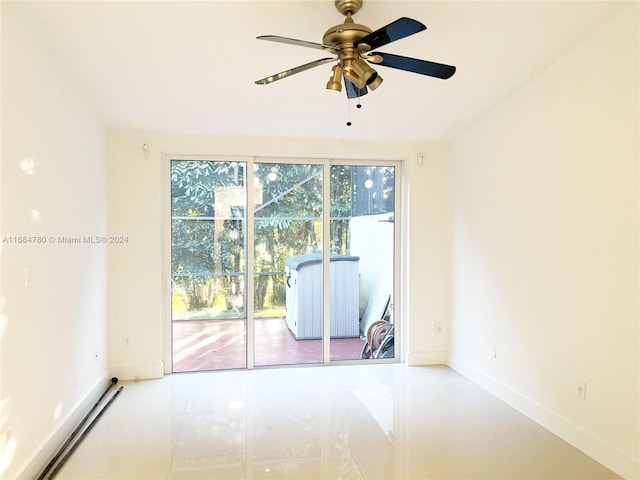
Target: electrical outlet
<point x="126" y="342"/>
<point x="492" y="351"/>
<point x="582" y="390"/>
<point x="438" y="328"/>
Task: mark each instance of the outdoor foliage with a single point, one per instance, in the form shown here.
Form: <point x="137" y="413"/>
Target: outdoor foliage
<point x="208" y="236"/>
<point x="205" y="242"/>
<point x="208" y="225"/>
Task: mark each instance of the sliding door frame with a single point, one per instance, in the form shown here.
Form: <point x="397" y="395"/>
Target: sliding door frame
<point x="398" y="296"/>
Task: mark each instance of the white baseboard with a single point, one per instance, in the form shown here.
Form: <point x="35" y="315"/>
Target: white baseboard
<point x="609" y="456"/>
<point x="138" y="372"/>
<point x="50" y="446"/>
<point x="426" y="358"/>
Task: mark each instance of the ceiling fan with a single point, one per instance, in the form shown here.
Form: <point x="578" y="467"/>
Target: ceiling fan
<point x="352" y="44"/>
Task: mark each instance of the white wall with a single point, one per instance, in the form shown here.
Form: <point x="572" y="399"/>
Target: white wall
<point x="136" y="285"/>
<point x="372" y="240"/>
<point x="430" y="263"/>
<point x="545" y="247"/>
<point x="53" y="183"/>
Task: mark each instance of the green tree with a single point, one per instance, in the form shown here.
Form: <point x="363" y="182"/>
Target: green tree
<point x="208" y="239"/>
<point x="207" y="245"/>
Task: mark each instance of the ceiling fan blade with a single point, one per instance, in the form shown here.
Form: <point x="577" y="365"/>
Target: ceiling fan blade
<point x="293" y="71"/>
<point x="424" y="67"/>
<point x="401" y="28"/>
<point x="300" y="43"/>
<point x="352" y="90"/>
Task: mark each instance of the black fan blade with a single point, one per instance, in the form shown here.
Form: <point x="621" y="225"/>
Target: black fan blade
<point x="293" y="71"/>
<point x="401" y="28"/>
<point x="352" y="90"/>
<point x="415" y="65"/>
<point x="300" y="43"/>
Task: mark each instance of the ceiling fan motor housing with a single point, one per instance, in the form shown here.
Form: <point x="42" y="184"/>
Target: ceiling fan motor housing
<point x="345" y="34"/>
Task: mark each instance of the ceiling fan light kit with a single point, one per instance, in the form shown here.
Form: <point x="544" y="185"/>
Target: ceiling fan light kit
<point x="352" y="44"/>
<point x="335" y="82"/>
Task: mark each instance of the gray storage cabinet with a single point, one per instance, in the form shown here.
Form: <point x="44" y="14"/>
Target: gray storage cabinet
<point x="304" y="296"/>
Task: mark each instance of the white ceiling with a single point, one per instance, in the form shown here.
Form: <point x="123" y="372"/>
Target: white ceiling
<point x="190" y="67"/>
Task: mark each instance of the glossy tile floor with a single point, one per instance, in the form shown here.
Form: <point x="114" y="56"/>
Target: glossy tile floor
<point x="340" y="422"/>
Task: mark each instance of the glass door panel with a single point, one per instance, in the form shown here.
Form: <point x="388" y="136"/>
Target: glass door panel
<point x="210" y="238"/>
<point x="208" y="224"/>
<point x="288" y="291"/>
<point x="362" y="269"/>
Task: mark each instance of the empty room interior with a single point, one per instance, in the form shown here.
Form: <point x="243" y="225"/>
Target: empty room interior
<point x="433" y="272"/>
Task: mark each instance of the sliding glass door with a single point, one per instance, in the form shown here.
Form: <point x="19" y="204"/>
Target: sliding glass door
<point x="362" y="238"/>
<point x="288" y="307"/>
<point x="255" y="286"/>
<point x="208" y="265"/>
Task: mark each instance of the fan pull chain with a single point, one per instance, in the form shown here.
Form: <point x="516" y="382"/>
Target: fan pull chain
<point x="358" y="105"/>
